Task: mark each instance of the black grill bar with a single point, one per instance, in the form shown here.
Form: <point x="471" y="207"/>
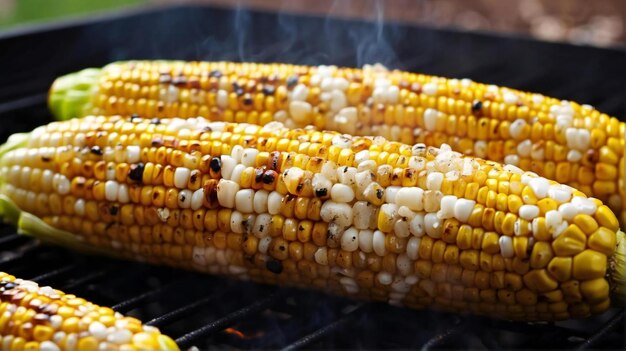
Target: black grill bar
<point x="138" y="299"/>
<point x="330" y="328"/>
<point x="259" y="305"/>
<point x="594" y="339"/>
<point x="85" y="279"/>
<point x="180" y="312"/>
<point x="5" y="240"/>
<point x="444" y="337"/>
<point x="54" y="273"/>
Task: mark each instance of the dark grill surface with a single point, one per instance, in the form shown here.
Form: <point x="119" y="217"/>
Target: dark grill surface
<point x="210" y="312"/>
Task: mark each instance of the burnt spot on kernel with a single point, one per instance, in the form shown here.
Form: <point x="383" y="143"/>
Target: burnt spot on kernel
<point x="135" y="172"/>
<point x="274" y="266"/>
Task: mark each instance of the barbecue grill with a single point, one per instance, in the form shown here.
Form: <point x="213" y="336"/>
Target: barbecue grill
<point x="212" y="312"/>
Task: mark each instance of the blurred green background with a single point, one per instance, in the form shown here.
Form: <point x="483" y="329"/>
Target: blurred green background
<point x="24" y="12"/>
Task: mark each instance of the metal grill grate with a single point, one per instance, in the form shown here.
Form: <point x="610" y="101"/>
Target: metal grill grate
<point x="209" y="312"/>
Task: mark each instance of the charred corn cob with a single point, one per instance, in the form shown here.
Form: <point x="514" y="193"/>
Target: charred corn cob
<point x="560" y="140"/>
<point x="42" y="318"/>
<point x="360" y="216"/>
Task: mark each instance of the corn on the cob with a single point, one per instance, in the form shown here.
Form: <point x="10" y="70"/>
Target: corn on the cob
<point x="360" y="216"/>
<point x="42" y="318"/>
<point x="572" y="144"/>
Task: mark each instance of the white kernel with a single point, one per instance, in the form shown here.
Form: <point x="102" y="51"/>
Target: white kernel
<point x="511" y="160"/>
<point x="181" y="177"/>
<point x="401" y="228"/>
<point x="480" y="148"/>
<point x="222" y="99"/>
<point x="350" y="239"/>
<point x="226" y="190"/>
<point x="411" y="197"/>
<point x="243" y="200"/>
<point x="584" y="205"/>
<point x="515" y="129"/>
<point x="48" y="346"/>
<point x="463" y="209"/>
<point x="363" y="213"/>
<point x="510" y="98"/>
<point x="334" y="212"/>
<point x="341" y="193"/>
<point x="299" y="93"/>
<point x="433" y="225"/>
<point x="412" y="247"/>
<point x="260" y="201"/>
<point x="321" y="256"/>
<point x="574" y="156"/>
<point x="554" y="218"/>
<point x="528" y="212"/>
<point x="273" y="202"/>
<point x="197" y="199"/>
<point x="236" y="222"/>
<point x="430" y="89"/>
<point x="384" y="278"/>
<point x="524" y="148"/>
<point x="366" y="238"/>
<point x="430" y="119"/>
<point x="228" y="164"/>
<point x="506" y="246"/>
<point x="338" y="100"/>
<point x="558" y="230"/>
<point x="390" y="193"/>
<point x="361" y="156"/>
<point x="184" y="198"/>
<point x="79" y="207"/>
<point x="98" y="330"/>
<point x="262" y="225"/>
<point x="122" y="194"/>
<point x="300" y="111"/>
<point x="378" y="241"/>
<point x="111" y="189"/>
<point x="133" y="154"/>
<point x="434" y="181"/>
<point x="448" y="204"/>
<point x="56" y="321"/>
<point x="416" y="226"/>
<point x="248" y="157"/>
<point x="539" y="186"/>
<point x="120" y="336"/>
<point x="235" y="176"/>
<point x="264" y="244"/>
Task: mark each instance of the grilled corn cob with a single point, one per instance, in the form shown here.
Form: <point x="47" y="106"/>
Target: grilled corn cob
<point x="42" y="318"/>
<point x="572" y="144"/>
<point x="360" y="216"/>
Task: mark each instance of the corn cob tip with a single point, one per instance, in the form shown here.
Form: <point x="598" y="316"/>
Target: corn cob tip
<point x="42" y="318"/>
<point x="71" y="94"/>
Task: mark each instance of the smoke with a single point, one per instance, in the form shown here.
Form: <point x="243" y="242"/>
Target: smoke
<point x="282" y="36"/>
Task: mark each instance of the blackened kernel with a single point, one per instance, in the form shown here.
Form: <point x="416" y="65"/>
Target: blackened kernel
<point x="292" y="81"/>
<point x="247" y="100"/>
<point x="215" y="73"/>
<point x="269" y="177"/>
<point x="179" y="81"/>
<point x="268" y="90"/>
<point x="215" y="164"/>
<point x="135" y="172"/>
<point x="274" y="266"/>
<point x="321" y="192"/>
<point x="477" y="105"/>
<point x="113" y="210"/>
<point x="380" y="193"/>
<point x="96" y="150"/>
